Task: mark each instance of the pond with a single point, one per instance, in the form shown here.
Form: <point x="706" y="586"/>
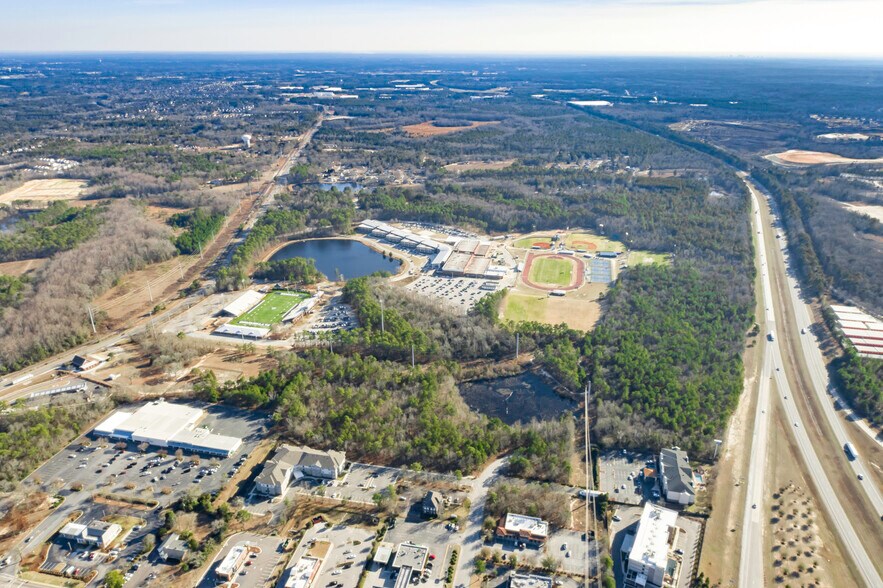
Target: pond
<point x="339" y="258"/>
<point x="340" y="186"/>
<point x="515" y="398"/>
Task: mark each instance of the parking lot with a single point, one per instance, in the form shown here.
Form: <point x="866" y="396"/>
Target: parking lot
<point x="459" y="294"/>
<point x="105" y="466"/>
<point x="333" y="316"/>
<point x="350" y="548"/>
<point x="620" y="476"/>
<point x="430" y="533"/>
<point x="257" y="568"/>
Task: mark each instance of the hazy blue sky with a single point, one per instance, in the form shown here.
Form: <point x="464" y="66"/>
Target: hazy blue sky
<point x="839" y="28"/>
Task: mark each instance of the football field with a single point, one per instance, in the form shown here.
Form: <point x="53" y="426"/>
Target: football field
<point x="271" y="309"/>
<point x="551" y="270"/>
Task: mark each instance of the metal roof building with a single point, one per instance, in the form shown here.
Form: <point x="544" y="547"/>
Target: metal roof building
<point x="242" y="304"/>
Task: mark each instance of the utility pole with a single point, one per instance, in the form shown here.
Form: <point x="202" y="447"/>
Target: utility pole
<point x="517" y="344"/>
<point x="181" y="269"/>
<point x="590" y="492"/>
<point x="382" y="326"/>
<point x="91" y="319"/>
<point x="412" y="355"/>
<point x="717" y="445"/>
<point x="150" y="292"/>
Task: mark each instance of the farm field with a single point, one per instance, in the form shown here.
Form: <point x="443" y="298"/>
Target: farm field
<point x="429" y="128"/>
<point x="551" y="270"/>
<point x="48" y="190"/>
<point x="271" y="309"/>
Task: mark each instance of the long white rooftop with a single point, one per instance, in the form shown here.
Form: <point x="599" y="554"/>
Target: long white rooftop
<point x="651" y="540"/>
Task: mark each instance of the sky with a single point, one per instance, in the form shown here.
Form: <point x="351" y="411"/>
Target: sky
<point x="766" y="28"/>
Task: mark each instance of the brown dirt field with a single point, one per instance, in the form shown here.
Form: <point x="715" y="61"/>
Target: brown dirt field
<point x="21" y="518"/>
<point x="17" y="268"/>
<point x="587" y="245"/>
<point x="801" y="157"/>
<point x="465" y="166"/>
<point x="163" y="213"/>
<point x="47" y="190"/>
<point x="428" y="129"/>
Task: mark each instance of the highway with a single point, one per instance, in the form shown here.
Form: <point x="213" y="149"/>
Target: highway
<point x="751" y="564"/>
<point x="752" y="556"/>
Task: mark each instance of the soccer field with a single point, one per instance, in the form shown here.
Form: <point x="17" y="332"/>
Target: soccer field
<point x="551" y="270"/>
<point x="271" y="309"/>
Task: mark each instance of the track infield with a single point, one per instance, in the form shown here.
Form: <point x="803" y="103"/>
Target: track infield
<point x="553" y="272"/>
<point x="271" y="310"/>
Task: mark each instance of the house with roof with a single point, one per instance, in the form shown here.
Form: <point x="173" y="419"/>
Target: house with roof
<point x="173" y="548"/>
<point x="433" y="504"/>
<point x="676" y="476"/>
<point x="292" y="462"/>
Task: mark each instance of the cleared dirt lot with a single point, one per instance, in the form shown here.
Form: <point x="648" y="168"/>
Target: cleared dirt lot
<point x="48" y="190"/>
<point x="465" y="166"/>
<point x="17" y="268"/>
<point x="576" y="313"/>
<point x="429" y="128"/>
<point x="801" y="157"/>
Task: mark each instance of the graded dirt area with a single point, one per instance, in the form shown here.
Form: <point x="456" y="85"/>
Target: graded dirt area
<point x="801" y="157"/>
<point x="872" y="210"/>
<point x="429" y="128"/>
<point x="22" y="266"/>
<point x="465" y="166"/>
<point x="47" y="190"/>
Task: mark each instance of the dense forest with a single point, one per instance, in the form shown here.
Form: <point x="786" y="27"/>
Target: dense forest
<point x="52" y="314"/>
<point x="57" y="228"/>
<point x="298" y="270"/>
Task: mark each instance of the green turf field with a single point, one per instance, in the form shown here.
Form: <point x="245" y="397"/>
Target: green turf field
<point x="271" y="309"/>
<point x="551" y="270"/>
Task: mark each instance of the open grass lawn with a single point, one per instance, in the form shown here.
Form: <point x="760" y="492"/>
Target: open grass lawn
<point x="642" y="257"/>
<point x="525" y="308"/>
<point x="550" y="270"/>
<point x="271" y="309"/>
<point x="528" y="242"/>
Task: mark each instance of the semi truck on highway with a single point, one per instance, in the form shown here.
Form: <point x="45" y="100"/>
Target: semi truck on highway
<point x="851" y="453"/>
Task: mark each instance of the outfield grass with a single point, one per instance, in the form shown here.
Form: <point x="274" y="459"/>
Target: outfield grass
<point x="528" y="242"/>
<point x="271" y="309"/>
<point x="551" y="270"/>
<point x="591" y="242"/>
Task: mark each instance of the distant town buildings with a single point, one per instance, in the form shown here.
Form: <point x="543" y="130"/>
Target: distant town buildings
<point x="646" y="553"/>
<point x="676" y="476"/>
<point x="290" y="462"/>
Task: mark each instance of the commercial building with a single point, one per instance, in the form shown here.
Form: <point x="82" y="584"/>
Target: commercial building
<point x="297" y="462"/>
<point x="173" y="548"/>
<point x="232" y="562"/>
<point x="304" y="572"/>
<point x="410" y="559"/>
<point x="676" y="476"/>
<point x="648" y="564"/>
<point x="530" y="581"/>
<point x="603" y="270"/>
<point x="531" y="531"/>
<point x="384" y="553"/>
<point x="81" y="363"/>
<point x="864" y="332"/>
<point x="98" y="533"/>
<point x="165" y="424"/>
<point x="433" y="504"/>
<point x="242" y="331"/>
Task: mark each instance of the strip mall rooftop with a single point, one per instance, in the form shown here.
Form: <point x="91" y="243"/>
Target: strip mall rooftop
<point x="166" y="424"/>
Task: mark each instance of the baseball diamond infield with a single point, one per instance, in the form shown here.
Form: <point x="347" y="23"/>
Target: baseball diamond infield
<point x="538" y="267"/>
